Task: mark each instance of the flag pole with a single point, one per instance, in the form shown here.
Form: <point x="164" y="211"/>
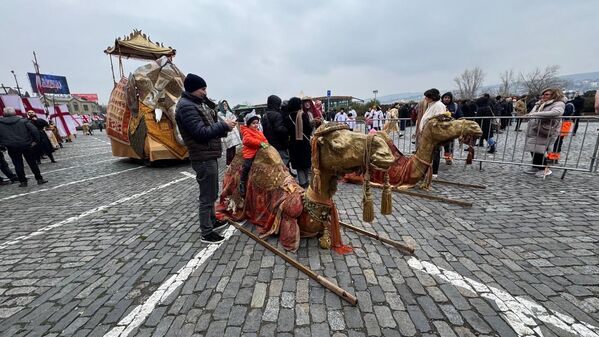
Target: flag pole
<point x="40" y="90"/>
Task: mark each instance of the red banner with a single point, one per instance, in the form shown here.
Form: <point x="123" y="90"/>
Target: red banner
<point x="87" y="97"/>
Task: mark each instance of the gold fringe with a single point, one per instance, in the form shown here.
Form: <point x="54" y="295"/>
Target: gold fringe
<point x="315" y="164"/>
<point x="387" y="202"/>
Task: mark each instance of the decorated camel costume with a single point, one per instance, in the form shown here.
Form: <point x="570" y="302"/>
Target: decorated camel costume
<point x="278" y="205"/>
<point x="406" y="172"/>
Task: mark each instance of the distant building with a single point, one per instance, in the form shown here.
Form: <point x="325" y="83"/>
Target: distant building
<point x="76" y="105"/>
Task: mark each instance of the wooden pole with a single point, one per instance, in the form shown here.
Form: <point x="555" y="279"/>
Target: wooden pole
<point x="447" y="182"/>
<point x="426" y="196"/>
<point x="316" y="277"/>
<point x="433" y="197"/>
<point x="403" y="248"/>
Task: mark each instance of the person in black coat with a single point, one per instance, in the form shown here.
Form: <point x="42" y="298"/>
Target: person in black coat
<point x="578" y="102"/>
<point x="202" y="131"/>
<point x="45" y="146"/>
<point x="274" y="128"/>
<point x="300" y="129"/>
<point x="484" y="110"/>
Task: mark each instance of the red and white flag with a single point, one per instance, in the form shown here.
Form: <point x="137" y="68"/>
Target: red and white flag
<point x="78" y="120"/>
<point x="64" y="121"/>
<point x="35" y="104"/>
<point x="12" y="101"/>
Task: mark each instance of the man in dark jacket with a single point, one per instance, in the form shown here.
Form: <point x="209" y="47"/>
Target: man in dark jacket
<point x="202" y="132"/>
<point x="274" y="128"/>
<point x="20" y="137"/>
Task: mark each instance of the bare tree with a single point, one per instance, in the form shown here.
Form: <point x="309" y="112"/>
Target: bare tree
<point x="509" y="83"/>
<point x="469" y="82"/>
<point x="538" y="79"/>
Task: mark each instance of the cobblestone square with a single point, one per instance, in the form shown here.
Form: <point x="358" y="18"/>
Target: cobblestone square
<point x="112" y="248"/>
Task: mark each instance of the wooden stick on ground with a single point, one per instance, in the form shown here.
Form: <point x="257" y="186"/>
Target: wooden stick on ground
<point x="433" y="197"/>
<point x="427" y="196"/>
<point x="403" y="248"/>
<point x="316" y="277"/>
<point x="447" y="182"/>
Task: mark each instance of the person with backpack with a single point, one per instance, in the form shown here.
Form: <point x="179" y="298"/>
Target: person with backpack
<point x="274" y="127"/>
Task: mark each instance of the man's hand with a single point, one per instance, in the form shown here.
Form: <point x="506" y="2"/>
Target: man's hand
<point x="231" y="123"/>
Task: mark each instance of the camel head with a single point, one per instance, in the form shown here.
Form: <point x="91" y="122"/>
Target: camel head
<point x="443" y="128"/>
<point x="343" y="151"/>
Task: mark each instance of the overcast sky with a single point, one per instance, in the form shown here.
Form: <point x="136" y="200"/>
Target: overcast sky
<point x="247" y="50"/>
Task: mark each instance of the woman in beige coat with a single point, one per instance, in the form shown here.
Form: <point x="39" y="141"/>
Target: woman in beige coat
<point x="543" y="128"/>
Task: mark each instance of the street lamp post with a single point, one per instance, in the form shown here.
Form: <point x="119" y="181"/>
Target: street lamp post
<point x="17" y="82"/>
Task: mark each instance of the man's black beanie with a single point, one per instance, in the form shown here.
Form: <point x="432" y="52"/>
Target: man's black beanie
<point x="193" y="82"/>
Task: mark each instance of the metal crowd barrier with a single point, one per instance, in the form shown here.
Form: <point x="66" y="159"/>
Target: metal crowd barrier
<point x="578" y="152"/>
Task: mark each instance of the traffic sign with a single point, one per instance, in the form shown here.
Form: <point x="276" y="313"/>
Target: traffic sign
<point x="328" y="93"/>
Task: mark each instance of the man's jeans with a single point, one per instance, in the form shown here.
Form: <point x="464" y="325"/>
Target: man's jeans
<point x="207" y="178"/>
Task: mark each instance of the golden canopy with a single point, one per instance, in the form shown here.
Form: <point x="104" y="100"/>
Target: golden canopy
<point x="139" y="46"/>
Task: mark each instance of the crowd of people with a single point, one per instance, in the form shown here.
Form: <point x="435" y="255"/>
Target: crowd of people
<point x="288" y="125"/>
<point x="23" y="138"/>
<point x="32" y="139"/>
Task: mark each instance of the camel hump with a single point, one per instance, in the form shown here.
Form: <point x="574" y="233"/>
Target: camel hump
<point x="268" y="156"/>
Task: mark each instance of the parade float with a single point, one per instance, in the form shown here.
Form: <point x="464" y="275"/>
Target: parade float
<point x="140" y="118"/>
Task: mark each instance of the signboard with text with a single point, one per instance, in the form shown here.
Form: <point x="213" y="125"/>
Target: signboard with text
<point x="51" y="84"/>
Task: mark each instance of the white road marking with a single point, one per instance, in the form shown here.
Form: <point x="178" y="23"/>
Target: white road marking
<point x="139" y="314"/>
<point x="100" y="140"/>
<point x="86" y="213"/>
<point x="520" y="313"/>
<point x="70" y="183"/>
<point x="70" y="167"/>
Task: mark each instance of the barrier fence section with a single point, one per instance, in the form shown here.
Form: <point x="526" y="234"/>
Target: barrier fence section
<point x="573" y="146"/>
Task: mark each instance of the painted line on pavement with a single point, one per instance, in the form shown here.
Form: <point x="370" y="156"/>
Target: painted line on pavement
<point x="83" y="155"/>
<point x="70" y="167"/>
<point x="100" y="140"/>
<point x="70" y="183"/>
<point x="86" y="213"/>
<point x="139" y="314"/>
<point x="520" y="313"/>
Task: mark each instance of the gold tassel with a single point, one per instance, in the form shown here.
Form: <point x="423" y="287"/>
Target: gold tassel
<point x="387" y="202"/>
<point x="367" y="202"/>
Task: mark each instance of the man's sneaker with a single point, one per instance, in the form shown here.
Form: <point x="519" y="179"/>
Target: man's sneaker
<point x="543" y="173"/>
<point x="23" y="184"/>
<point x="212" y="238"/>
<point x="220" y="225"/>
<point x="435" y="175"/>
<point x="531" y="170"/>
<point x="41" y="181"/>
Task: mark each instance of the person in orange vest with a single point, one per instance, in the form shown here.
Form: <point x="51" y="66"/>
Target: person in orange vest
<point x="554" y="156"/>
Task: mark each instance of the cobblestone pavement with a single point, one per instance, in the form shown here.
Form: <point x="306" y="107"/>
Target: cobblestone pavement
<point x="111" y="248"/>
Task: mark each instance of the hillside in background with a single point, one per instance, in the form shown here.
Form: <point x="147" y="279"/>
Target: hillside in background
<point x="576" y="82"/>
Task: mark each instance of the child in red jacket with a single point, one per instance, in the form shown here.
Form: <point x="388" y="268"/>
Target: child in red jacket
<point x="252" y="139"/>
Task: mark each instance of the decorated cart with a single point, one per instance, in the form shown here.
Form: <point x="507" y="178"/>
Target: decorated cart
<point x="140" y="118"/>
